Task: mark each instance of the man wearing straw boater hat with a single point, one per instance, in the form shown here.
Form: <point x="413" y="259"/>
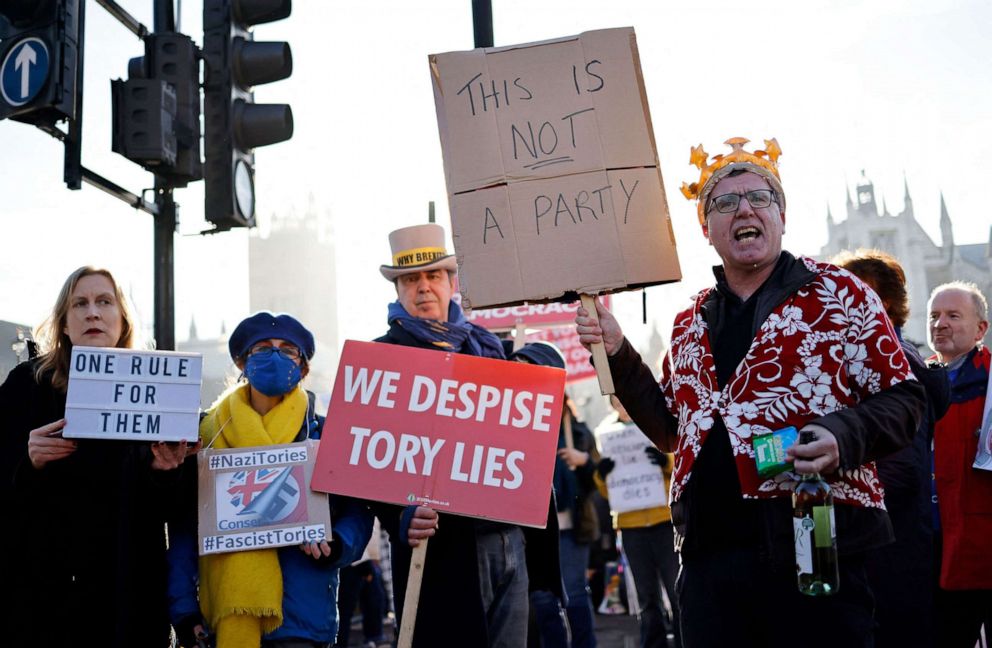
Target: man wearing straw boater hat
<point x="474" y="590"/>
<point x="779" y="341"/>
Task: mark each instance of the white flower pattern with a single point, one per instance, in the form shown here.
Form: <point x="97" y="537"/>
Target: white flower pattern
<point x="826" y="348"/>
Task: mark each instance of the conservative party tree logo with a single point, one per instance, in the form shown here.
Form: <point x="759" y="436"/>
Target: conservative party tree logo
<point x="260" y="497"/>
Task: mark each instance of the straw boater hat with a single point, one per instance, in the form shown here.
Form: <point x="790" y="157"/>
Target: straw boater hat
<point x="417" y="248"/>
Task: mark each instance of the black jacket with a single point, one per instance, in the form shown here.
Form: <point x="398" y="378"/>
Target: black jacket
<point x="83" y="549"/>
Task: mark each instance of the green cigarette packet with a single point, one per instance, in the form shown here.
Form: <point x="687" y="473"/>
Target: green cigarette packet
<point x="769" y="451"/>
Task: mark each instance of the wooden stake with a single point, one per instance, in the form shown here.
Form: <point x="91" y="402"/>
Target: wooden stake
<point x="519" y="336"/>
<point x="599" y="356"/>
<point x="412" y="598"/>
<point x="569" y="439"/>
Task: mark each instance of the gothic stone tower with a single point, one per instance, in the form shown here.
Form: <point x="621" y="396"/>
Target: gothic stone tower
<point x="926" y="263"/>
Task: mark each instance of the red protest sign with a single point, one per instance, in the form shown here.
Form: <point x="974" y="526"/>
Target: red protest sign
<point x="527" y="314"/>
<point x="566" y="338"/>
<point x="460" y="434"/>
<point x="506" y="318"/>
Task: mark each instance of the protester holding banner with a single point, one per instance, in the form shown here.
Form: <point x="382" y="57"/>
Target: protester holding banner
<point x="277" y="596"/>
<point x="648" y="542"/>
<point x="83" y="548"/>
<point x="474" y="590"/>
<point x="578" y="524"/>
<point x="778" y="342"/>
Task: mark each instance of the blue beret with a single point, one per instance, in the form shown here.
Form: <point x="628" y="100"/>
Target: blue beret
<point x="265" y="325"/>
<point x="541" y="353"/>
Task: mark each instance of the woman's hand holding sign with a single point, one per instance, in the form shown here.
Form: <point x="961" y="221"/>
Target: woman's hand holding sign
<point x="45" y="444"/>
<point x="317" y="550"/>
<point x="574" y="458"/>
<point x="168" y="456"/>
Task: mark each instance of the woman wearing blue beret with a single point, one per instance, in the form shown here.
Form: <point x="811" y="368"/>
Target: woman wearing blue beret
<point x="274" y="598"/>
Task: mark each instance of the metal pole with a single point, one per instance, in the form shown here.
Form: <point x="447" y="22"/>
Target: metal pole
<point x="164" y="254"/>
<point x="124" y="17"/>
<point x="165" y="16"/>
<point x="72" y="173"/>
<point x="165" y="228"/>
<point x="115" y="190"/>
<point x="482" y="22"/>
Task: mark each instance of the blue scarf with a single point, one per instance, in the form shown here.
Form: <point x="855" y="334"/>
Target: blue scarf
<point x="457" y="334"/>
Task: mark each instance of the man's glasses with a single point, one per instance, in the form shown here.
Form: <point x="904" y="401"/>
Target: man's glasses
<point x="290" y="352"/>
<point x="758" y="198"/>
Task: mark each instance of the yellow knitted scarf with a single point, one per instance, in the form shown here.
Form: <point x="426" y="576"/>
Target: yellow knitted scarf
<point x="246" y="584"/>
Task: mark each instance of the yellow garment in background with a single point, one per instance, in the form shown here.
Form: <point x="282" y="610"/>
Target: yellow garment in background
<point x="641" y="517"/>
<point x="241" y="592"/>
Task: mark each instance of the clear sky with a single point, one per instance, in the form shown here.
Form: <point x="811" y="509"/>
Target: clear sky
<point x="891" y="87"/>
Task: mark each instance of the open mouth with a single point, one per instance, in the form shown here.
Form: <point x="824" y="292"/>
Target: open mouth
<point x="93" y="331"/>
<point x="748" y="233"/>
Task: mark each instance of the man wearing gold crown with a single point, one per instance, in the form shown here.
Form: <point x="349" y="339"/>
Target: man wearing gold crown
<point x="778" y="341"/>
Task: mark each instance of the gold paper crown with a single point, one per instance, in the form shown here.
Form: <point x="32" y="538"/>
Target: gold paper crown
<point x="764" y="163"/>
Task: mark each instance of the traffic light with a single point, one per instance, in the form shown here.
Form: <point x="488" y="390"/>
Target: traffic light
<point x="39" y="52"/>
<point x="157" y="110"/>
<point x="233" y="123"/>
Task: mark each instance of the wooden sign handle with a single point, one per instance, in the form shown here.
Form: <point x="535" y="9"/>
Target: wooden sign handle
<point x="412" y="599"/>
<point x="569" y="437"/>
<point x="519" y="336"/>
<point x="599" y="356"/>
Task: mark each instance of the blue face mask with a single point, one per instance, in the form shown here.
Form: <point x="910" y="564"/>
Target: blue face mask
<point x="272" y="373"/>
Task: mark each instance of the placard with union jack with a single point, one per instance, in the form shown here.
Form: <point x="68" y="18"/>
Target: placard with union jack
<point x="257" y="498"/>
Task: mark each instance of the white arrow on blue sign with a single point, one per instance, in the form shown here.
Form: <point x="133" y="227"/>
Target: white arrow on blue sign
<point x="24" y="71"/>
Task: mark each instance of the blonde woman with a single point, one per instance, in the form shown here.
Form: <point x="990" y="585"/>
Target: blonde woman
<point x="83" y="544"/>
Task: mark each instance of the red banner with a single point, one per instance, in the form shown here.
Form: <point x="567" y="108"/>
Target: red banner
<point x="530" y="315"/>
<point x="566" y="338"/>
<point x="457" y="433"/>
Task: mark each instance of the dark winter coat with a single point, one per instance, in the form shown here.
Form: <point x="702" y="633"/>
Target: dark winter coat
<point x="83" y="548"/>
<point x="901" y="574"/>
<point x="574" y="487"/>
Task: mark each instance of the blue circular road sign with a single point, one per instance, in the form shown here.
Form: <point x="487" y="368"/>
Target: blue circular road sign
<point x="24" y="71"/>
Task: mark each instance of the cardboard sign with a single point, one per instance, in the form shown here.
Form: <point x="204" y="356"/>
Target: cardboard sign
<point x="529" y="315"/>
<point x="460" y="434"/>
<point x="551" y="168"/>
<point x="566" y="338"/>
<point x="634" y="483"/>
<point x="133" y="395"/>
<point x="257" y="498"/>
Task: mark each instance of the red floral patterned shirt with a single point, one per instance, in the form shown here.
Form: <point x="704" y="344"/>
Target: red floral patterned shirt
<point x="824" y="349"/>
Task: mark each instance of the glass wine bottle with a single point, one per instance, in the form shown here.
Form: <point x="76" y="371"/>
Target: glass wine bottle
<point x="815" y="533"/>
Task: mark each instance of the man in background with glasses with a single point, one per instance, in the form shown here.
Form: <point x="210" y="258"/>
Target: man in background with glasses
<point x="779" y="342"/>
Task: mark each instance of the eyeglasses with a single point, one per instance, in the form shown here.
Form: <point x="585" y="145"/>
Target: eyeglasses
<point x="290" y="352"/>
<point x="758" y="198"/>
